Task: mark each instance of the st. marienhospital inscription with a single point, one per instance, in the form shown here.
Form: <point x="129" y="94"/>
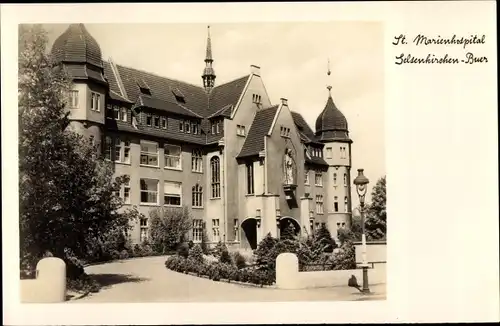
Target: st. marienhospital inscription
<point x="461" y="43"/>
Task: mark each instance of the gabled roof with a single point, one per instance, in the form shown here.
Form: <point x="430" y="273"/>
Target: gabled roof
<point x="226" y="94"/>
<point x="305" y="132"/>
<point x="254" y="143"/>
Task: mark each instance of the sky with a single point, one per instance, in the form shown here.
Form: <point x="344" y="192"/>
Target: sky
<point x="294" y="62"/>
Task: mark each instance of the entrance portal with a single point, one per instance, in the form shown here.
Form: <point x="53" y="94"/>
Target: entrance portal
<point x="249" y="227"/>
<point x="289" y="228"/>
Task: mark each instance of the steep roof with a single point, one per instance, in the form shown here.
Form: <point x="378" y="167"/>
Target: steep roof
<point x="78" y="46"/>
<point x="331" y="124"/>
<point x="254" y="143"/>
<point x="305" y="132"/>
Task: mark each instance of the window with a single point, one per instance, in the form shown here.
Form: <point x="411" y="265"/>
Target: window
<point x="156" y="120"/>
<point x="126" y="192"/>
<point x="187" y="127"/>
<point x="95" y="102"/>
<point x="256" y="98"/>
<point x="172" y="156"/>
<point x="317" y="225"/>
<point x="215" y="230"/>
<point x="236" y="229"/>
<point x="109" y="111"/>
<point x="346" y="205"/>
<point x="197" y="230"/>
<point x="197" y="160"/>
<point x="217" y="127"/>
<point x="126" y="151"/>
<point x="144" y="230"/>
<point x="196" y="128"/>
<point x="108" y="143"/>
<point x="164" y="123"/>
<point x="116" y="112"/>
<point x="149" y="153"/>
<point x="213" y="128"/>
<point x="335" y="179"/>
<point x="149" y="120"/>
<point x="181" y="126"/>
<point x="250" y="179"/>
<point x="345" y="179"/>
<point x="335" y="204"/>
<point x="311" y="225"/>
<point x="240" y="130"/>
<point x="149" y="191"/>
<point x="73" y="99"/>
<point x="343" y="152"/>
<point x="319" y="204"/>
<point x="318" y="178"/>
<point x="215" y="176"/>
<point x="123" y="114"/>
<point x="285" y="132"/>
<point x="329" y="152"/>
<point x="118" y="149"/>
<point x="197" y="196"/>
<point x="306" y="177"/>
<point x="172" y="192"/>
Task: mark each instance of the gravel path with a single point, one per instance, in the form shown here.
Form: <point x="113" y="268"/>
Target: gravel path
<point x="148" y="280"/>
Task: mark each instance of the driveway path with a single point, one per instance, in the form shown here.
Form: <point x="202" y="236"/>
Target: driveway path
<point x="148" y="280"/>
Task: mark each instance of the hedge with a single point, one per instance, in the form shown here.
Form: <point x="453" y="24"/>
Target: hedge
<point x="217" y="271"/>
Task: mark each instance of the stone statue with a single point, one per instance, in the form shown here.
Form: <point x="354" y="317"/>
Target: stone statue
<point x="288" y="167"/>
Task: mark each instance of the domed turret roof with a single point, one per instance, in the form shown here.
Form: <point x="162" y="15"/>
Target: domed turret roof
<point x="331" y="124"/>
<point x="76" y="45"/>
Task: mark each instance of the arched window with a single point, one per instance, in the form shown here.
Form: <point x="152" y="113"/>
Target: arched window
<point x="197" y="160"/>
<point x="335" y="179"/>
<point x="345" y="179"/>
<point x="197" y="192"/>
<point x="346" y="205"/>
<point x="215" y="175"/>
<point x="335" y="204"/>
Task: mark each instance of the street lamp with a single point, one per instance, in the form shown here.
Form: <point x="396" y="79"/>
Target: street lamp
<point x="361" y="183"/>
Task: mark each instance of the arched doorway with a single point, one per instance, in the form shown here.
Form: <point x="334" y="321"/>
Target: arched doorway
<point x="249" y="228"/>
<point x="289" y="228"/>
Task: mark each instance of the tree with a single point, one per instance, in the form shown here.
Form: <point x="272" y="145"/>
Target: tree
<point x="376" y="216"/>
<point x="288" y="232"/>
<point x="204" y="241"/>
<point x="322" y="240"/>
<point x="169" y="225"/>
<point x="66" y="200"/>
<point x="264" y="248"/>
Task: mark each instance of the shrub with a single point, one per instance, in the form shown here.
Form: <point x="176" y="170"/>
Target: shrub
<point x="168" y="226"/>
<point x="183" y="250"/>
<point x="322" y="240"/>
<point x="219" y="249"/>
<point x="84" y="283"/>
<point x="345" y="258"/>
<point x="239" y="260"/>
<point x="115" y="254"/>
<point x="225" y="258"/>
<point x="204" y="242"/>
<point x="196" y="253"/>
<point x="264" y="248"/>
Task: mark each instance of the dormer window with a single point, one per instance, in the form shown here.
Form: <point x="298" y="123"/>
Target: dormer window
<point x="156" y="120"/>
<point x="116" y="112"/>
<point x="196" y="128"/>
<point x="123" y="114"/>
<point x="143" y="87"/>
<point x="187" y="127"/>
<point x="181" y="126"/>
<point x="179" y="97"/>
<point x="149" y="120"/>
<point x="164" y="123"/>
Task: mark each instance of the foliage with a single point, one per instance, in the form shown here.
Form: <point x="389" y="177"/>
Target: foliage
<point x="356" y="227"/>
<point x="225" y="258"/>
<point x="345" y="258"/>
<point x="217" y="271"/>
<point x="67" y="193"/>
<point x="376" y="215"/>
<point x="204" y="242"/>
<point x="288" y="232"/>
<point x="322" y="240"/>
<point x="219" y="249"/>
<point x="196" y="253"/>
<point x="263" y="249"/>
<point x="239" y="260"/>
<point x="183" y="250"/>
<point x="168" y="226"/>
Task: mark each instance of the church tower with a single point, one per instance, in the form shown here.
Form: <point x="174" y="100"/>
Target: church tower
<point x="208" y="73"/>
<point x="332" y="130"/>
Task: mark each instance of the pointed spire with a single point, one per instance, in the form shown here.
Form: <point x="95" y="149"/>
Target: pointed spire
<point x="208" y="73"/>
<point x="209" y="46"/>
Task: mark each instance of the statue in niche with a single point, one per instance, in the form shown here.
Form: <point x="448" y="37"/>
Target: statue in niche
<point x="289" y="166"/>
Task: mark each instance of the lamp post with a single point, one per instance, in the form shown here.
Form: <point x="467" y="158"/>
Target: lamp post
<point x="361" y="183"/>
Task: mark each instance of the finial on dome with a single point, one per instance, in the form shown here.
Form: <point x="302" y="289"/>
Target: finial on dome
<point x="328" y="72"/>
<point x="329" y="88"/>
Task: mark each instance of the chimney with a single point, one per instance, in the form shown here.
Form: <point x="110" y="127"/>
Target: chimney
<point x="284" y="101"/>
<point x="255" y="70"/>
